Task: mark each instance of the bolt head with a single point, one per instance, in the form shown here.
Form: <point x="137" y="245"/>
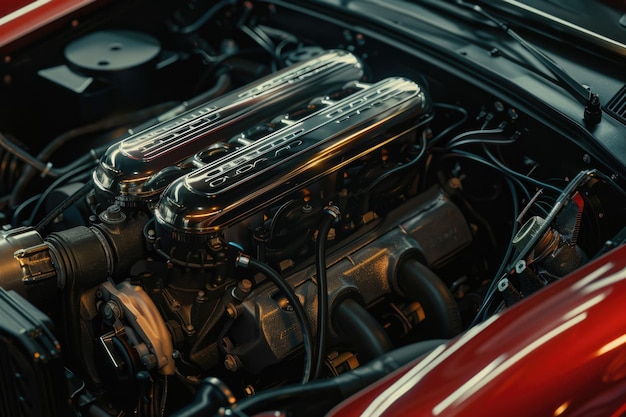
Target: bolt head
<point x="231" y="362"/>
<point x="231" y="310"/>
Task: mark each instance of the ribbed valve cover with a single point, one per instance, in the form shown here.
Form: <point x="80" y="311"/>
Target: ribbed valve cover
<point x="241" y="183"/>
<point x="131" y="171"/>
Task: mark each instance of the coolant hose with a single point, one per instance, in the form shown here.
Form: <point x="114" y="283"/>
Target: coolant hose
<point x="321" y="395"/>
<point x="418" y="282"/>
<point x="330" y="214"/>
<point x="362" y="329"/>
<point x="303" y="320"/>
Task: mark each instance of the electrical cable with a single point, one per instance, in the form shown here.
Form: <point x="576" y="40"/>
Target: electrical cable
<point x="265" y="43"/>
<point x="284" y="208"/>
<point x="330" y="214"/>
<point x="23" y="205"/>
<point x="500" y="272"/>
<point x="303" y="320"/>
<point x="452" y="126"/>
<point x="476" y="158"/>
<point x="519" y="175"/>
<point x="477" y="135"/>
<point x="86" y="162"/>
<point x="576" y="182"/>
<point x="483" y="141"/>
<point x="411" y="163"/>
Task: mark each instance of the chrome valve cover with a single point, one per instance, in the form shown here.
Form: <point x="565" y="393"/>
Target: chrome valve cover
<point x="239" y="184"/>
<point x="132" y="170"/>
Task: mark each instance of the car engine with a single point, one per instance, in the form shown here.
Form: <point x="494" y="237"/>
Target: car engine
<point x="217" y="192"/>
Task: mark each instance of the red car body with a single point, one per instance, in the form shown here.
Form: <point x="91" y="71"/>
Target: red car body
<point x="21" y="18"/>
<point x="561" y="352"/>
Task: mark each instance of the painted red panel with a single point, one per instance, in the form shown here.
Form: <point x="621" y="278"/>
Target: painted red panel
<point x="36" y="15"/>
<point x="8" y="6"/>
<point x="561" y="352"/>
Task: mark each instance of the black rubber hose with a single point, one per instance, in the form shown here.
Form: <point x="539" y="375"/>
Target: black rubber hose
<point x="407" y="165"/>
<point x="211" y="395"/>
<point x="78" y="174"/>
<point x="82" y="192"/>
<point x="362" y="329"/>
<point x="329" y="214"/>
<point x="443" y="319"/>
<point x="301" y="315"/>
<point x="320" y="396"/>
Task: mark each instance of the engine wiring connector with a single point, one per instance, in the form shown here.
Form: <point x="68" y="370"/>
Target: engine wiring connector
<point x="242" y="260"/>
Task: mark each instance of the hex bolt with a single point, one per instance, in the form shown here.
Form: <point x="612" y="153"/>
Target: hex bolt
<point x="243" y="288"/>
<point x="149" y="361"/>
<point x="231" y="310"/>
<point x="107" y="312"/>
<point x="112" y="310"/>
<point x="232" y="362"/>
<point x="261" y="234"/>
<point x="455" y="183"/>
<point x="201" y="297"/>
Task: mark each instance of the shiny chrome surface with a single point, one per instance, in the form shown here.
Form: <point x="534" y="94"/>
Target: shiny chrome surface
<point x="128" y="171"/>
<point x="255" y="176"/>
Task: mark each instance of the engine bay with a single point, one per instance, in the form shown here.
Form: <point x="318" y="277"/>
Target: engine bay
<point x="261" y="195"/>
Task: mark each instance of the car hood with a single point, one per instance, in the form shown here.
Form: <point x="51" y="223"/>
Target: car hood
<point x="601" y="23"/>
